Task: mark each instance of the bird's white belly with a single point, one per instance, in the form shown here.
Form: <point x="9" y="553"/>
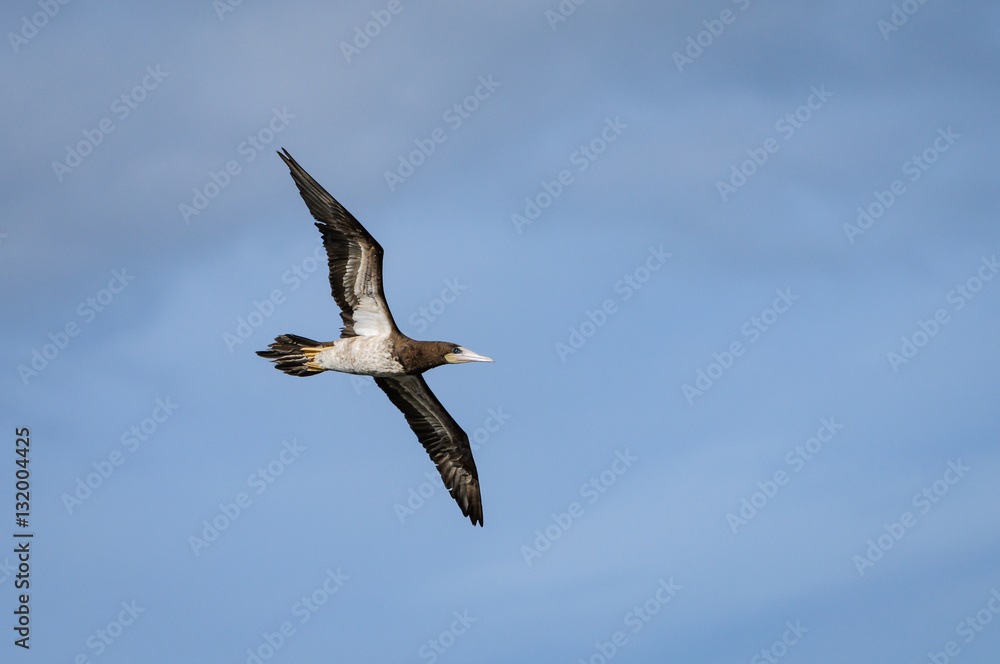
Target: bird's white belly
<point x="366" y="356"/>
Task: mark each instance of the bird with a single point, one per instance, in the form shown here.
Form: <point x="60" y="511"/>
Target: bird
<point x="370" y="344"/>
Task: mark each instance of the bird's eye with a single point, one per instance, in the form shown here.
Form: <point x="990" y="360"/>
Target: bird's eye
<point x="456" y="351"/>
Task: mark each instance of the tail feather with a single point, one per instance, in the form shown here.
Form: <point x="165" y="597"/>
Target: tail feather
<point x="295" y="355"/>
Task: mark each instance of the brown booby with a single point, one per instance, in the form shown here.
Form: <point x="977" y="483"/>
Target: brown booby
<point x="370" y="344"/>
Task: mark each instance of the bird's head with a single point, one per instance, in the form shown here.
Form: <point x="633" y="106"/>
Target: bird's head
<point x="423" y="355"/>
<point x="455" y="354"/>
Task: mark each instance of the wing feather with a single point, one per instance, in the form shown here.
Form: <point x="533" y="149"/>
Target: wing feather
<point x="354" y="258"/>
<point x="445" y="442"/>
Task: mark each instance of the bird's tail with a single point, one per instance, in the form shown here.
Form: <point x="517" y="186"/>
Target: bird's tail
<point x="295" y="355"/>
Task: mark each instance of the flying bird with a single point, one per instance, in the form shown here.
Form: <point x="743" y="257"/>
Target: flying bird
<point x="370" y="344"/>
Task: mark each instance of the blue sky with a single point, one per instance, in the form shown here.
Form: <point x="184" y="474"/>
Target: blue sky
<point x="735" y="262"/>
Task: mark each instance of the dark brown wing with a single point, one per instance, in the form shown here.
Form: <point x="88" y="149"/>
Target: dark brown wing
<point x="443" y="439"/>
<point x="354" y="257"/>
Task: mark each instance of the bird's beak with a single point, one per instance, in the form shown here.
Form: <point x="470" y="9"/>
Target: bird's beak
<point x="466" y="356"/>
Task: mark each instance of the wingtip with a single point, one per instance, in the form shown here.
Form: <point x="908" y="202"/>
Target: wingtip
<point x="474" y="509"/>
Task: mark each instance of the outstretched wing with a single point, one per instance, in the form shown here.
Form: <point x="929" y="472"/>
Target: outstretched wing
<point x="355" y="259"/>
<point x="443" y="439"/>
